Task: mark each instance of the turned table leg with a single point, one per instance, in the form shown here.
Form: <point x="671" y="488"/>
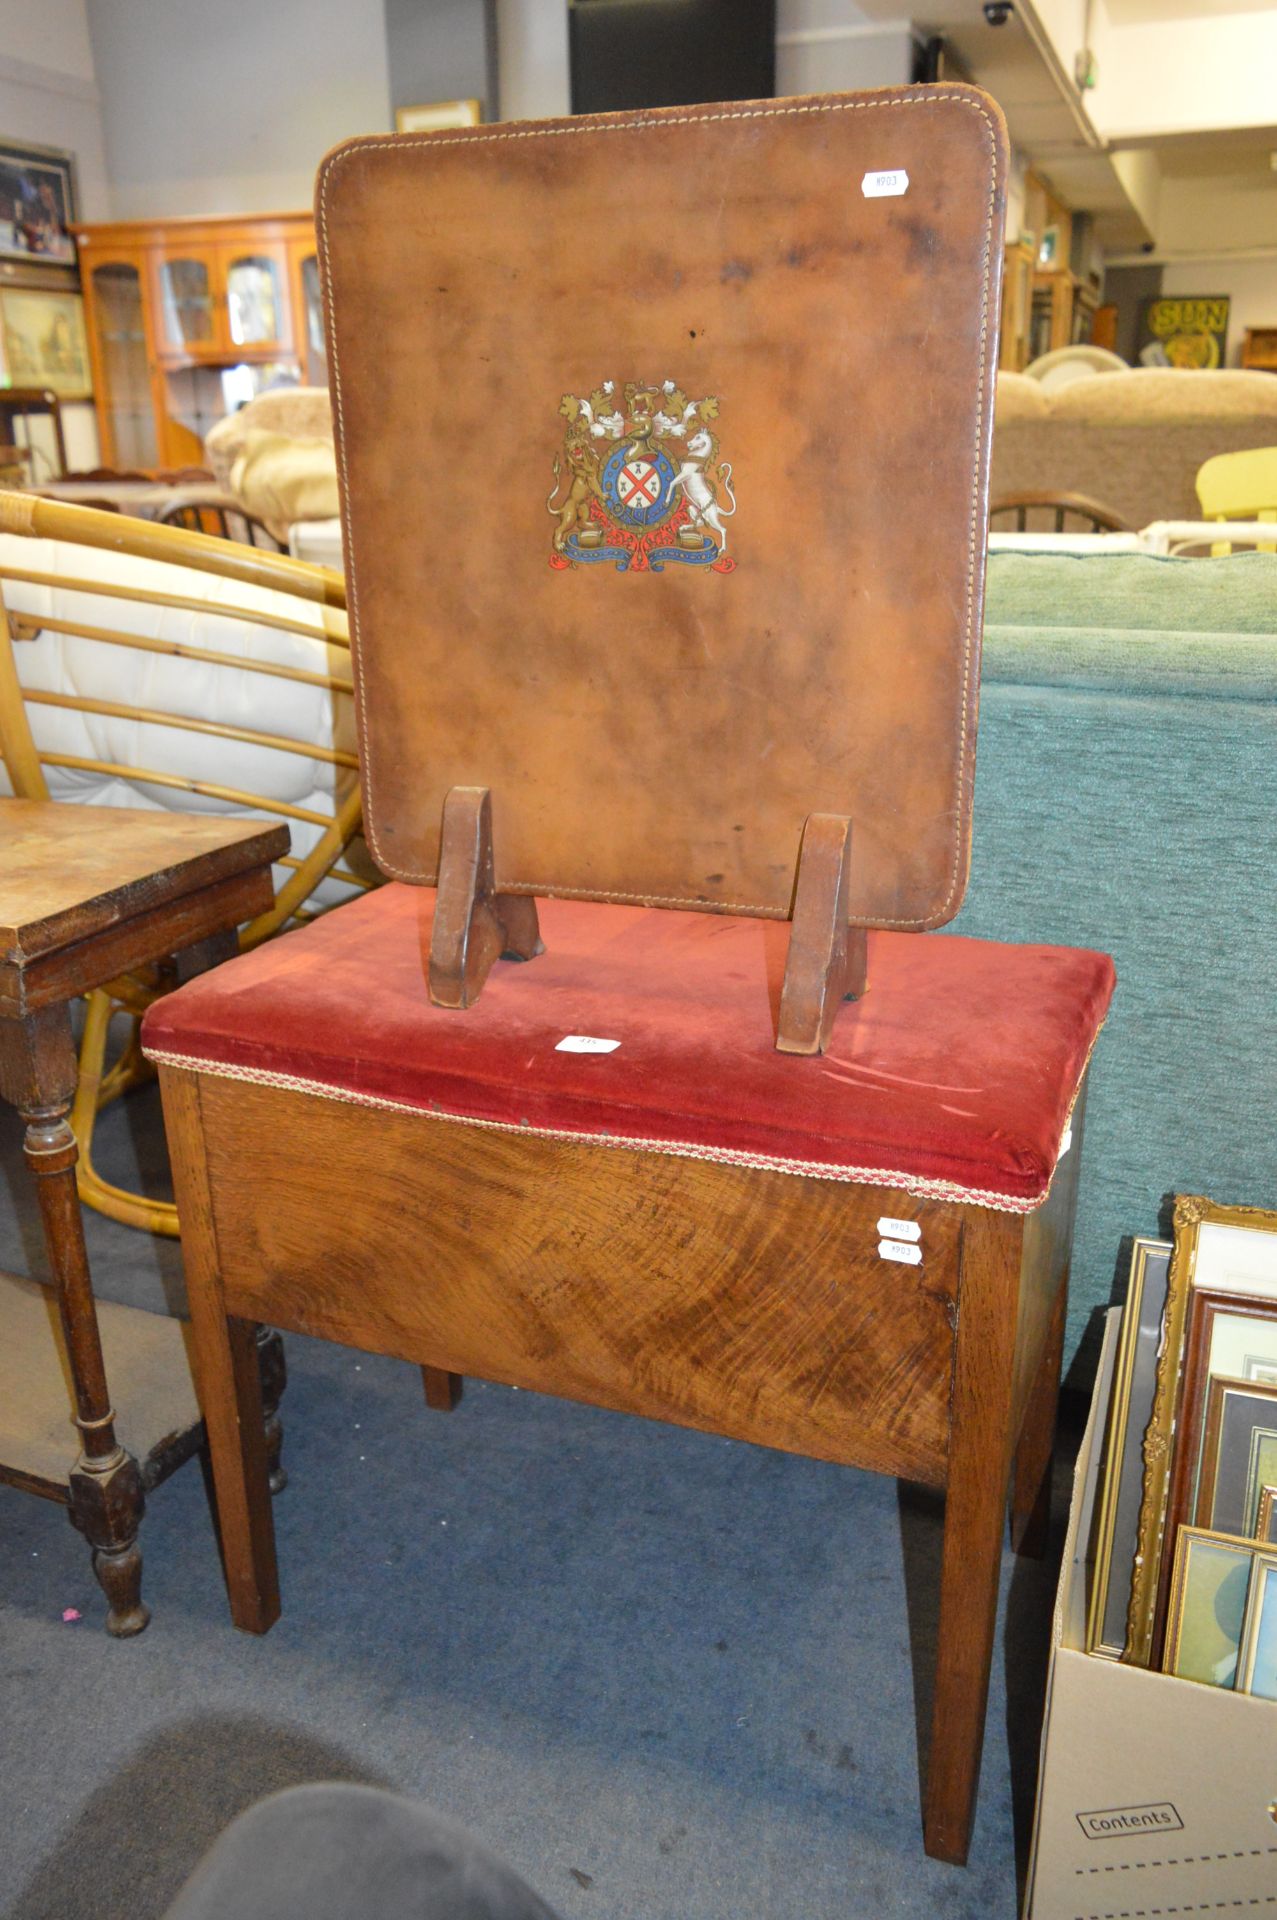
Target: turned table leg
<point x="106" y="1487"/>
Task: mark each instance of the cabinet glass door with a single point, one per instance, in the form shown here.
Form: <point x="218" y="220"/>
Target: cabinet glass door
<point x="314" y="352"/>
<point x="186" y="290"/>
<point x="254" y="299"/>
<point x="124" y="396"/>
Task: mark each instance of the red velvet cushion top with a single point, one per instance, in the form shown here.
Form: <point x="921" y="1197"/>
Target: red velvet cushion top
<point x="953" y="1076"/>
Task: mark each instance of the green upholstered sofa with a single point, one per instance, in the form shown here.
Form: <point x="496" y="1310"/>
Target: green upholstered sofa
<point x="1126" y="799"/>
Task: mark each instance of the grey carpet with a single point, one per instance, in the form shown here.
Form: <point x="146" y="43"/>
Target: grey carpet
<point x="664" y="1675"/>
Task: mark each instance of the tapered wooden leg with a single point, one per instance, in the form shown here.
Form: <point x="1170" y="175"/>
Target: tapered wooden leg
<point x="38" y="1074"/>
<point x="473" y="924"/>
<point x="827" y="959"/>
<point x="1035" y="1451"/>
<point x="227" y="1374"/>
<point x="443" y="1389"/>
<point x="980" y="1441"/>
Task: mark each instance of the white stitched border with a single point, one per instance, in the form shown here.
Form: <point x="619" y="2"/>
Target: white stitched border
<point x="916" y="1184"/>
<point x="558" y="130"/>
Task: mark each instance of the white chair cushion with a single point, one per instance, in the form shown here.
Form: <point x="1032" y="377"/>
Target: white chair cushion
<point x="168" y="683"/>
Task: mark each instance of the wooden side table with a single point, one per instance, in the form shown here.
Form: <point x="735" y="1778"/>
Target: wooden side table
<point x="86" y="894"/>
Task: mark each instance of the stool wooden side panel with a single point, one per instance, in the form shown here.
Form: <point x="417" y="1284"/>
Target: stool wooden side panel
<point x="744" y="1302"/>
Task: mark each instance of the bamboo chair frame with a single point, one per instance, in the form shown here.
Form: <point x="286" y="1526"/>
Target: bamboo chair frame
<point x="325" y="591"/>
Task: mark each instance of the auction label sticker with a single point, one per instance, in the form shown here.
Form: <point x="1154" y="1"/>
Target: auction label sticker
<point x="892" y="1229"/>
<point x="882" y="186"/>
<point x="905" y="1251"/>
<point x="585" y="1043"/>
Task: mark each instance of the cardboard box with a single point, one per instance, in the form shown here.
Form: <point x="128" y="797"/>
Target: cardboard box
<point x="1156" y="1797"/>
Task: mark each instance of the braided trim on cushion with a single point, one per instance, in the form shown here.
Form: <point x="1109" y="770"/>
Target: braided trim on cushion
<point x="916" y="1184"/>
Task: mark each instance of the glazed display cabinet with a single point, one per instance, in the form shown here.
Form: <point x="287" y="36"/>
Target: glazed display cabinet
<point x="189" y="318"/>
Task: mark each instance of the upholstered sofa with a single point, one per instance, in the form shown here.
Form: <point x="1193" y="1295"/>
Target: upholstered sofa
<point x="1126" y="798"/>
<point x="1133" y="441"/>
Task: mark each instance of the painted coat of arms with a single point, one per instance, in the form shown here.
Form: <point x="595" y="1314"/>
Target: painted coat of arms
<point x="639" y="483"/>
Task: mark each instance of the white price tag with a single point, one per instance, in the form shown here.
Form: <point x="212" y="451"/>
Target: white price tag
<point x="891" y="1229"/>
<point x="881" y="186"/>
<point x="907" y="1252"/>
<point x="585" y="1043"/>
<point x="1065" y="1144"/>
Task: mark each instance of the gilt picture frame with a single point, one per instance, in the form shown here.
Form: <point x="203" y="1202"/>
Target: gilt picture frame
<point x="1257" y="1662"/>
<point x="1266" y="1527"/>
<point x="1210" y="1593"/>
<point x="1121" y="1477"/>
<point x="1236" y="1265"/>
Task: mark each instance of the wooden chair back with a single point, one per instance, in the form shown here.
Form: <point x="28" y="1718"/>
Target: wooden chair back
<point x="213" y="515"/>
<point x="314" y="609"/>
<point x="1059" y="507"/>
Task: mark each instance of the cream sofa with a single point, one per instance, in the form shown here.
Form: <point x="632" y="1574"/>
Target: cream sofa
<point x="1133" y="441"/>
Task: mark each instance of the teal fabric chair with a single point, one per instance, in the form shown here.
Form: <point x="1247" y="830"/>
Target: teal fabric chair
<point x="1126" y="799"/>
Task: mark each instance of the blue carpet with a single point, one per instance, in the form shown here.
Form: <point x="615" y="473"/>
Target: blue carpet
<point x="667" y="1676"/>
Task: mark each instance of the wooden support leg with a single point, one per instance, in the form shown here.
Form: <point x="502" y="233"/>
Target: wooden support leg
<point x="38" y="1074"/>
<point x="474" y="924"/>
<point x="827" y="959"/>
<point x="980" y="1440"/>
<point x="227" y="1374"/>
<point x="443" y="1389"/>
<point x="1035" y="1450"/>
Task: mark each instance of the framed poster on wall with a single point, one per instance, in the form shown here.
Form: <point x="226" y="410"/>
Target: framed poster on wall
<point x="1183" y="330"/>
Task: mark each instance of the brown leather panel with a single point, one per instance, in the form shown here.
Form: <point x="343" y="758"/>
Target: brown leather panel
<point x="659" y="734"/>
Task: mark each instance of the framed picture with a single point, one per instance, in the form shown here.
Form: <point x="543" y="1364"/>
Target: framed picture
<point x="1122" y="1471"/>
<point x="43" y="342"/>
<point x="1049" y="247"/>
<point x="1183" y="330"/>
<point x="1239" y="1456"/>
<point x="1232" y="1250"/>
<point x="1210" y="1589"/>
<point x="37" y="204"/>
<point x="438" y="114"/>
<point x="1257" y="1666"/>
<point x="1226" y="1336"/>
<point x="1266" y="1526"/>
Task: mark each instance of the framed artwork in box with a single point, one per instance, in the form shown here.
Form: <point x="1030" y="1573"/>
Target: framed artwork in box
<point x="1239" y="1455"/>
<point x="37" y="204"/>
<point x="1121" y="1475"/>
<point x="1257" y="1666"/>
<point x="1209" y="1594"/>
<point x="1266" y="1528"/>
<point x="1229" y="1253"/>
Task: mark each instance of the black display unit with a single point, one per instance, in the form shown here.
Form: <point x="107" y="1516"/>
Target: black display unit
<point x="670" y="53"/>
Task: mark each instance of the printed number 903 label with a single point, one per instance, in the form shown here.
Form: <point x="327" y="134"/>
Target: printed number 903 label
<point x="880" y="186"/>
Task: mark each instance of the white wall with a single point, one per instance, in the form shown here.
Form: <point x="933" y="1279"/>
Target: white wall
<point x="822" y="56"/>
<point x="1180" y="76"/>
<point x="1213" y="68"/>
<point x="229" y="108"/>
<point x="48" y="93"/>
<point x="533" y="77"/>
